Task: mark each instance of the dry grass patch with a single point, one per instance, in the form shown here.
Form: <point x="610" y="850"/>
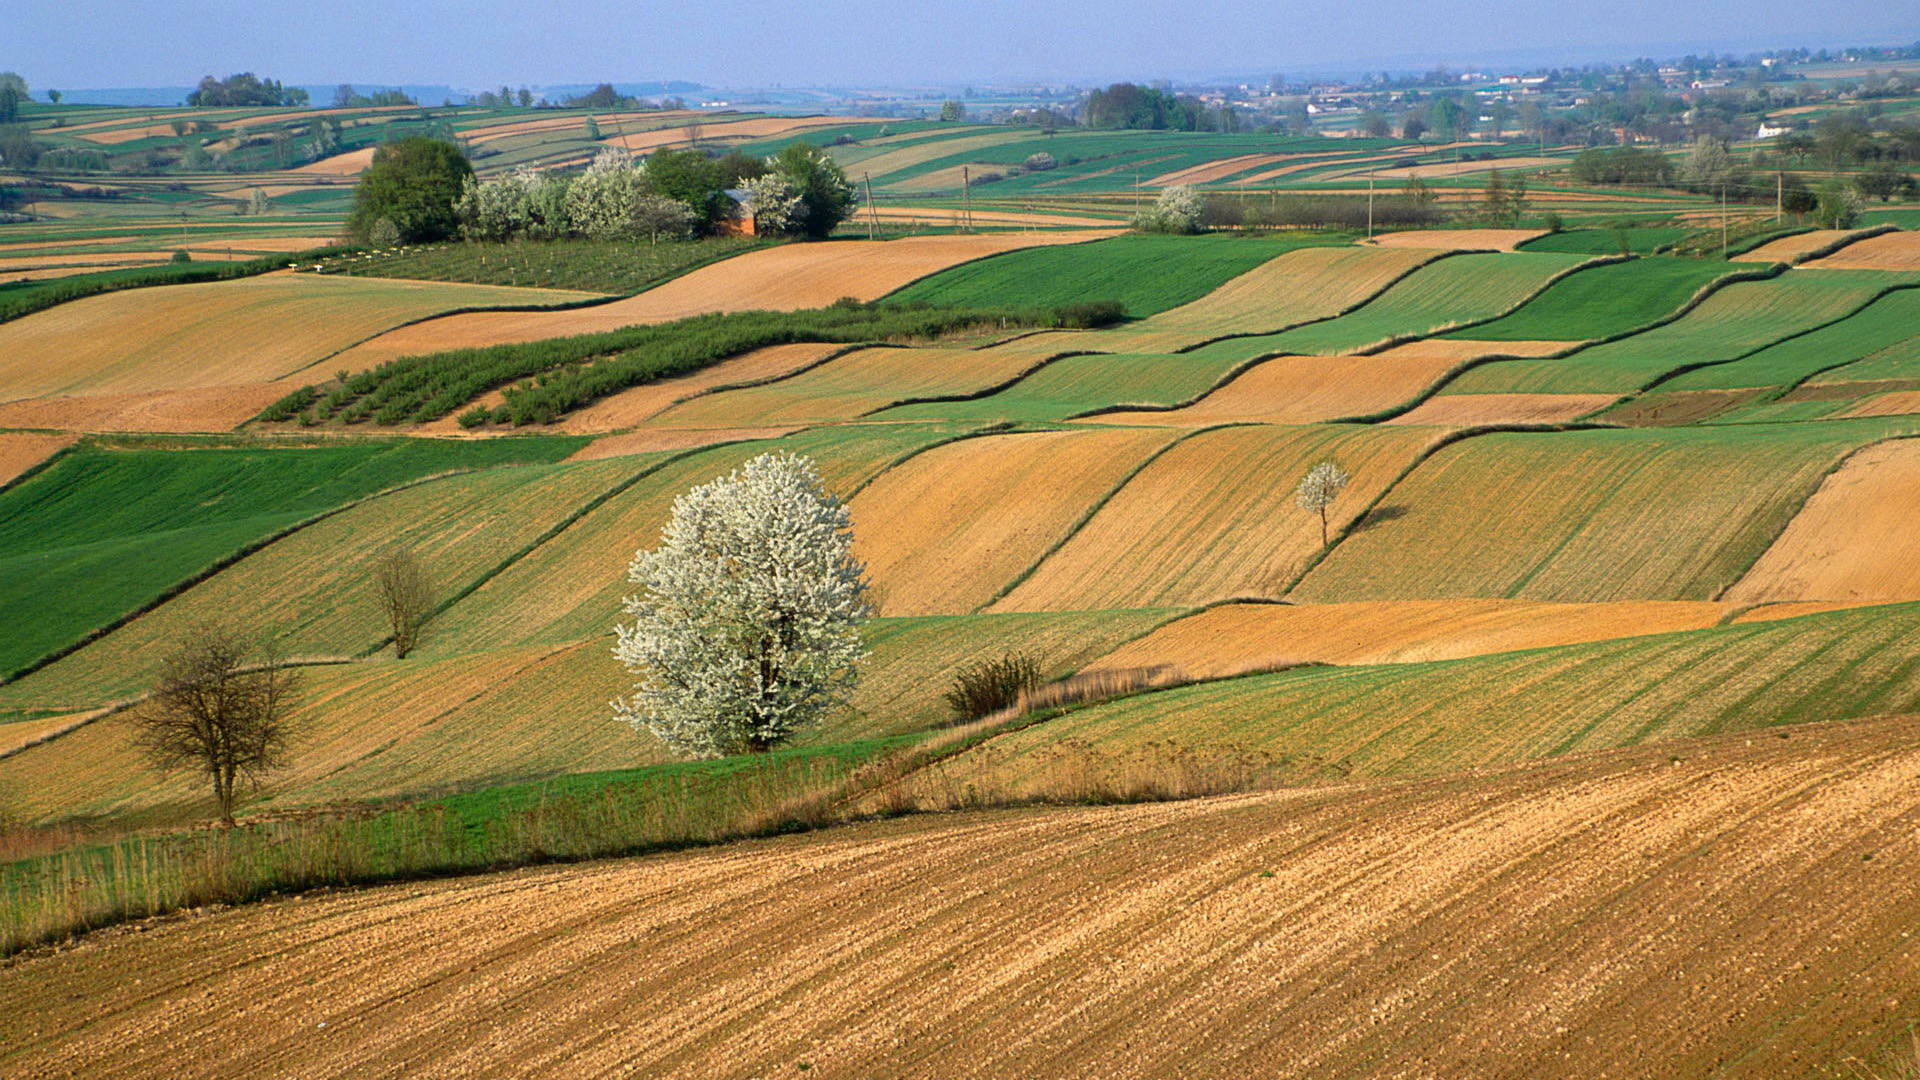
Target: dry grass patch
<point x="1214" y="517"/>
<point x="209" y="408"/>
<point x="652" y="440"/>
<point x="1211" y="171"/>
<point x="785" y="278"/>
<point x="1235" y="638"/>
<point x="1897" y="403"/>
<point x="945" y="532"/>
<point x="1302" y="390"/>
<point x="1853" y="541"/>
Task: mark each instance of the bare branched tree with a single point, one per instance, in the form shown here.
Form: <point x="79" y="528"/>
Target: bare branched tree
<point x="214" y="708"/>
<point x="1317" y="490"/>
<point x="406" y="598"/>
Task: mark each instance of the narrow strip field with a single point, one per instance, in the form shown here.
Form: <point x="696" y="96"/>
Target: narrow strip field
<point x="1668" y="514"/>
<point x="1452" y="715"/>
<point x="1888" y="251"/>
<point x="947" y="531"/>
<point x="222" y="333"/>
<point x="1739" y="318"/>
<point x="641" y="403"/>
<point x="1474" y="410"/>
<point x="201" y="409"/>
<point x="1213" y="518"/>
<point x="1236" y="638"/>
<point x="1458" y="239"/>
<point x="784" y="278"/>
<point x="22" y="450"/>
<point x="1888" y="326"/>
<point x="1726" y="908"/>
<point x="1074" y="385"/>
<point x="1788" y="248"/>
<point x="1603" y="300"/>
<point x="1854" y="539"/>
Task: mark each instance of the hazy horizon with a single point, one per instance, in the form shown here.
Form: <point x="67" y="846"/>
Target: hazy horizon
<point x="906" y="43"/>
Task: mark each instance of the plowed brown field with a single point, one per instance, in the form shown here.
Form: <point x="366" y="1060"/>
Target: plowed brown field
<point x="945" y="532"/>
<point x="1739" y="907"/>
<point x="351" y="163"/>
<point x="1853" y="541"/>
<point x="224" y="333"/>
<point x="1459" y="168"/>
<point x="1788" y="248"/>
<point x="1897" y="403"/>
<point x="1469" y="410"/>
<point x="1234" y="638"/>
<point x="1217" y="170"/>
<point x="757" y="128"/>
<point x="1459" y="239"/>
<point x="22" y="450"/>
<point x="1788" y="610"/>
<point x="1888" y="251"/>
<point x="210" y="408"/>
<point x="784" y="278"/>
<point x="1214" y="517"/>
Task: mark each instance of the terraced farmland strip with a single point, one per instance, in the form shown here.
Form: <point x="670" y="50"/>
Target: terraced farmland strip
<point x="1853" y="541"/>
<point x="1668" y="514"/>
<point x="570" y="587"/>
<point x="313" y="592"/>
<point x="1738" y="319"/>
<point x="223" y="333"/>
<point x="1788" y="248"/>
<point x="1073" y="385"/>
<point x="23" y="450"/>
<point x="1888" y="251"/>
<point x="1212" y="518"/>
<point x="785" y="278"/>
<point x="1447" y="293"/>
<point x="1300" y="286"/>
<point x="1477" y="410"/>
<point x="1235" y="638"/>
<point x="1889" y="326"/>
<point x="1443" y="717"/>
<point x="1460" y="239"/>
<point x="947" y="531"/>
<point x="1601" y="301"/>
<point x="1741" y="910"/>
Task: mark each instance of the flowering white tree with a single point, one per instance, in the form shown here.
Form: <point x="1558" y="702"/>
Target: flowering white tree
<point x="773" y="203"/>
<point x="1179" y="209"/>
<point x="601" y="201"/>
<point x="749" y="625"/>
<point x="1317" y="490"/>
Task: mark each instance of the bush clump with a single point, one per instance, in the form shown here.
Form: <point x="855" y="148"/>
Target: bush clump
<point x="1090" y="314"/>
<point x="987" y="687"/>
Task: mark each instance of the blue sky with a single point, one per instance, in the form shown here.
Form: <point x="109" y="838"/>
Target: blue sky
<point x="478" y="43"/>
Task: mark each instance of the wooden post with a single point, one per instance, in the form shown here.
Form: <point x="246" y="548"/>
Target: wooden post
<point x="1723" y="219"/>
<point x="1369" y="204"/>
<point x="966" y="199"/>
<point x="873" y="216"/>
<point x="1779" y="194"/>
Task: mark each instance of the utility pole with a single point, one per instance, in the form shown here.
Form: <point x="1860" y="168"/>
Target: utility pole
<point x="1779" y="194"/>
<point x="1369" y="204"/>
<point x="966" y="199"/>
<point x="1723" y="219"/>
<point x="873" y="216"/>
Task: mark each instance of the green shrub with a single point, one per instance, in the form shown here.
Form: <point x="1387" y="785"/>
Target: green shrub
<point x="181" y="257"/>
<point x="1090" y="314"/>
<point x="990" y="686"/>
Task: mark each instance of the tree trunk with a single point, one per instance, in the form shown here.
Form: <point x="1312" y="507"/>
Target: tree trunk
<point x="1323" y="528"/>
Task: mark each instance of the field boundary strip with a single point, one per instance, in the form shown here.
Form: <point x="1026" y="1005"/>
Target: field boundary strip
<point x="1397" y="340"/>
<point x="1700" y="295"/>
<point x="985" y="392"/>
<point x="1094" y="234"/>
<point x="1098" y="505"/>
<point x="1800" y="505"/>
<point x="1883" y="293"/>
<point x="251" y="547"/>
<point x="1842" y="243"/>
<point x="1425" y="455"/>
<point x="998" y="428"/>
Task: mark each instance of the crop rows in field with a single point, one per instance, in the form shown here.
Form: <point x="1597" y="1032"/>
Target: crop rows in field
<point x="1602" y="301"/>
<point x="1887" y="327"/>
<point x="593" y="266"/>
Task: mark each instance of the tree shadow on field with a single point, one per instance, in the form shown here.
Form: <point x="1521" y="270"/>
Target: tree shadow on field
<point x="1378" y="516"/>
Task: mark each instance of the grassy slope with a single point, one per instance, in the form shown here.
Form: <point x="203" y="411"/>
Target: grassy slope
<point x="1737" y="319"/>
<point x="1883" y="325"/>
<point x="1605" y="241"/>
<point x="1456" y="714"/>
<point x="103" y="531"/>
<point x="1603" y="300"/>
<point x="1148" y="274"/>
<point x="1073" y="385"/>
<point x="1673" y="514"/>
<point x="1461" y="289"/>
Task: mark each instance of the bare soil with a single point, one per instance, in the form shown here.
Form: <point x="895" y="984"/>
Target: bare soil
<point x="22" y="450"/>
<point x="1459" y="239"/>
<point x="1467" y="410"/>
<point x="1888" y="251"/>
<point x="1741" y="906"/>
<point x="1853" y="541"/>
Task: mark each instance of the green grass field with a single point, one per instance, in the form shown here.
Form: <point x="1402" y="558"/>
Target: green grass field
<point x="105" y="530"/>
<point x="1640" y="240"/>
<point x="1451" y="291"/>
<point x="1602" y="300"/>
<point x="1738" y="319"/>
<point x="1147" y="274"/>
<point x="1889" y="326"/>
<point x="1331" y="722"/>
<point x="1670" y="514"/>
<point x="1073" y="385"/>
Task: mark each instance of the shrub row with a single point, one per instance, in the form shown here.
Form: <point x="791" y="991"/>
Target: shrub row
<point x="544" y="380"/>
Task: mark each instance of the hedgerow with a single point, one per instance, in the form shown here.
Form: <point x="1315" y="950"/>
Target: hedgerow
<point x="543" y="380"/>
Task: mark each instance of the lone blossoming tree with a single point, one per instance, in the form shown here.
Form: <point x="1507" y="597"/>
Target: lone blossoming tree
<point x="749" y="624"/>
<point x="1317" y="490"/>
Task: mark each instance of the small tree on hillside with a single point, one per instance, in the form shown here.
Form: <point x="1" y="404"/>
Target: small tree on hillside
<point x="216" y="710"/>
<point x="748" y="627"/>
<point x="826" y="196"/>
<point x="405" y="593"/>
<point x="1179" y="209"/>
<point x="414" y="183"/>
<point x="1317" y="490"/>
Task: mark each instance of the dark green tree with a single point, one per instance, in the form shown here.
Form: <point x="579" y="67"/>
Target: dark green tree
<point x="413" y="183"/>
<point x="689" y="176"/>
<point x="828" y="196"/>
